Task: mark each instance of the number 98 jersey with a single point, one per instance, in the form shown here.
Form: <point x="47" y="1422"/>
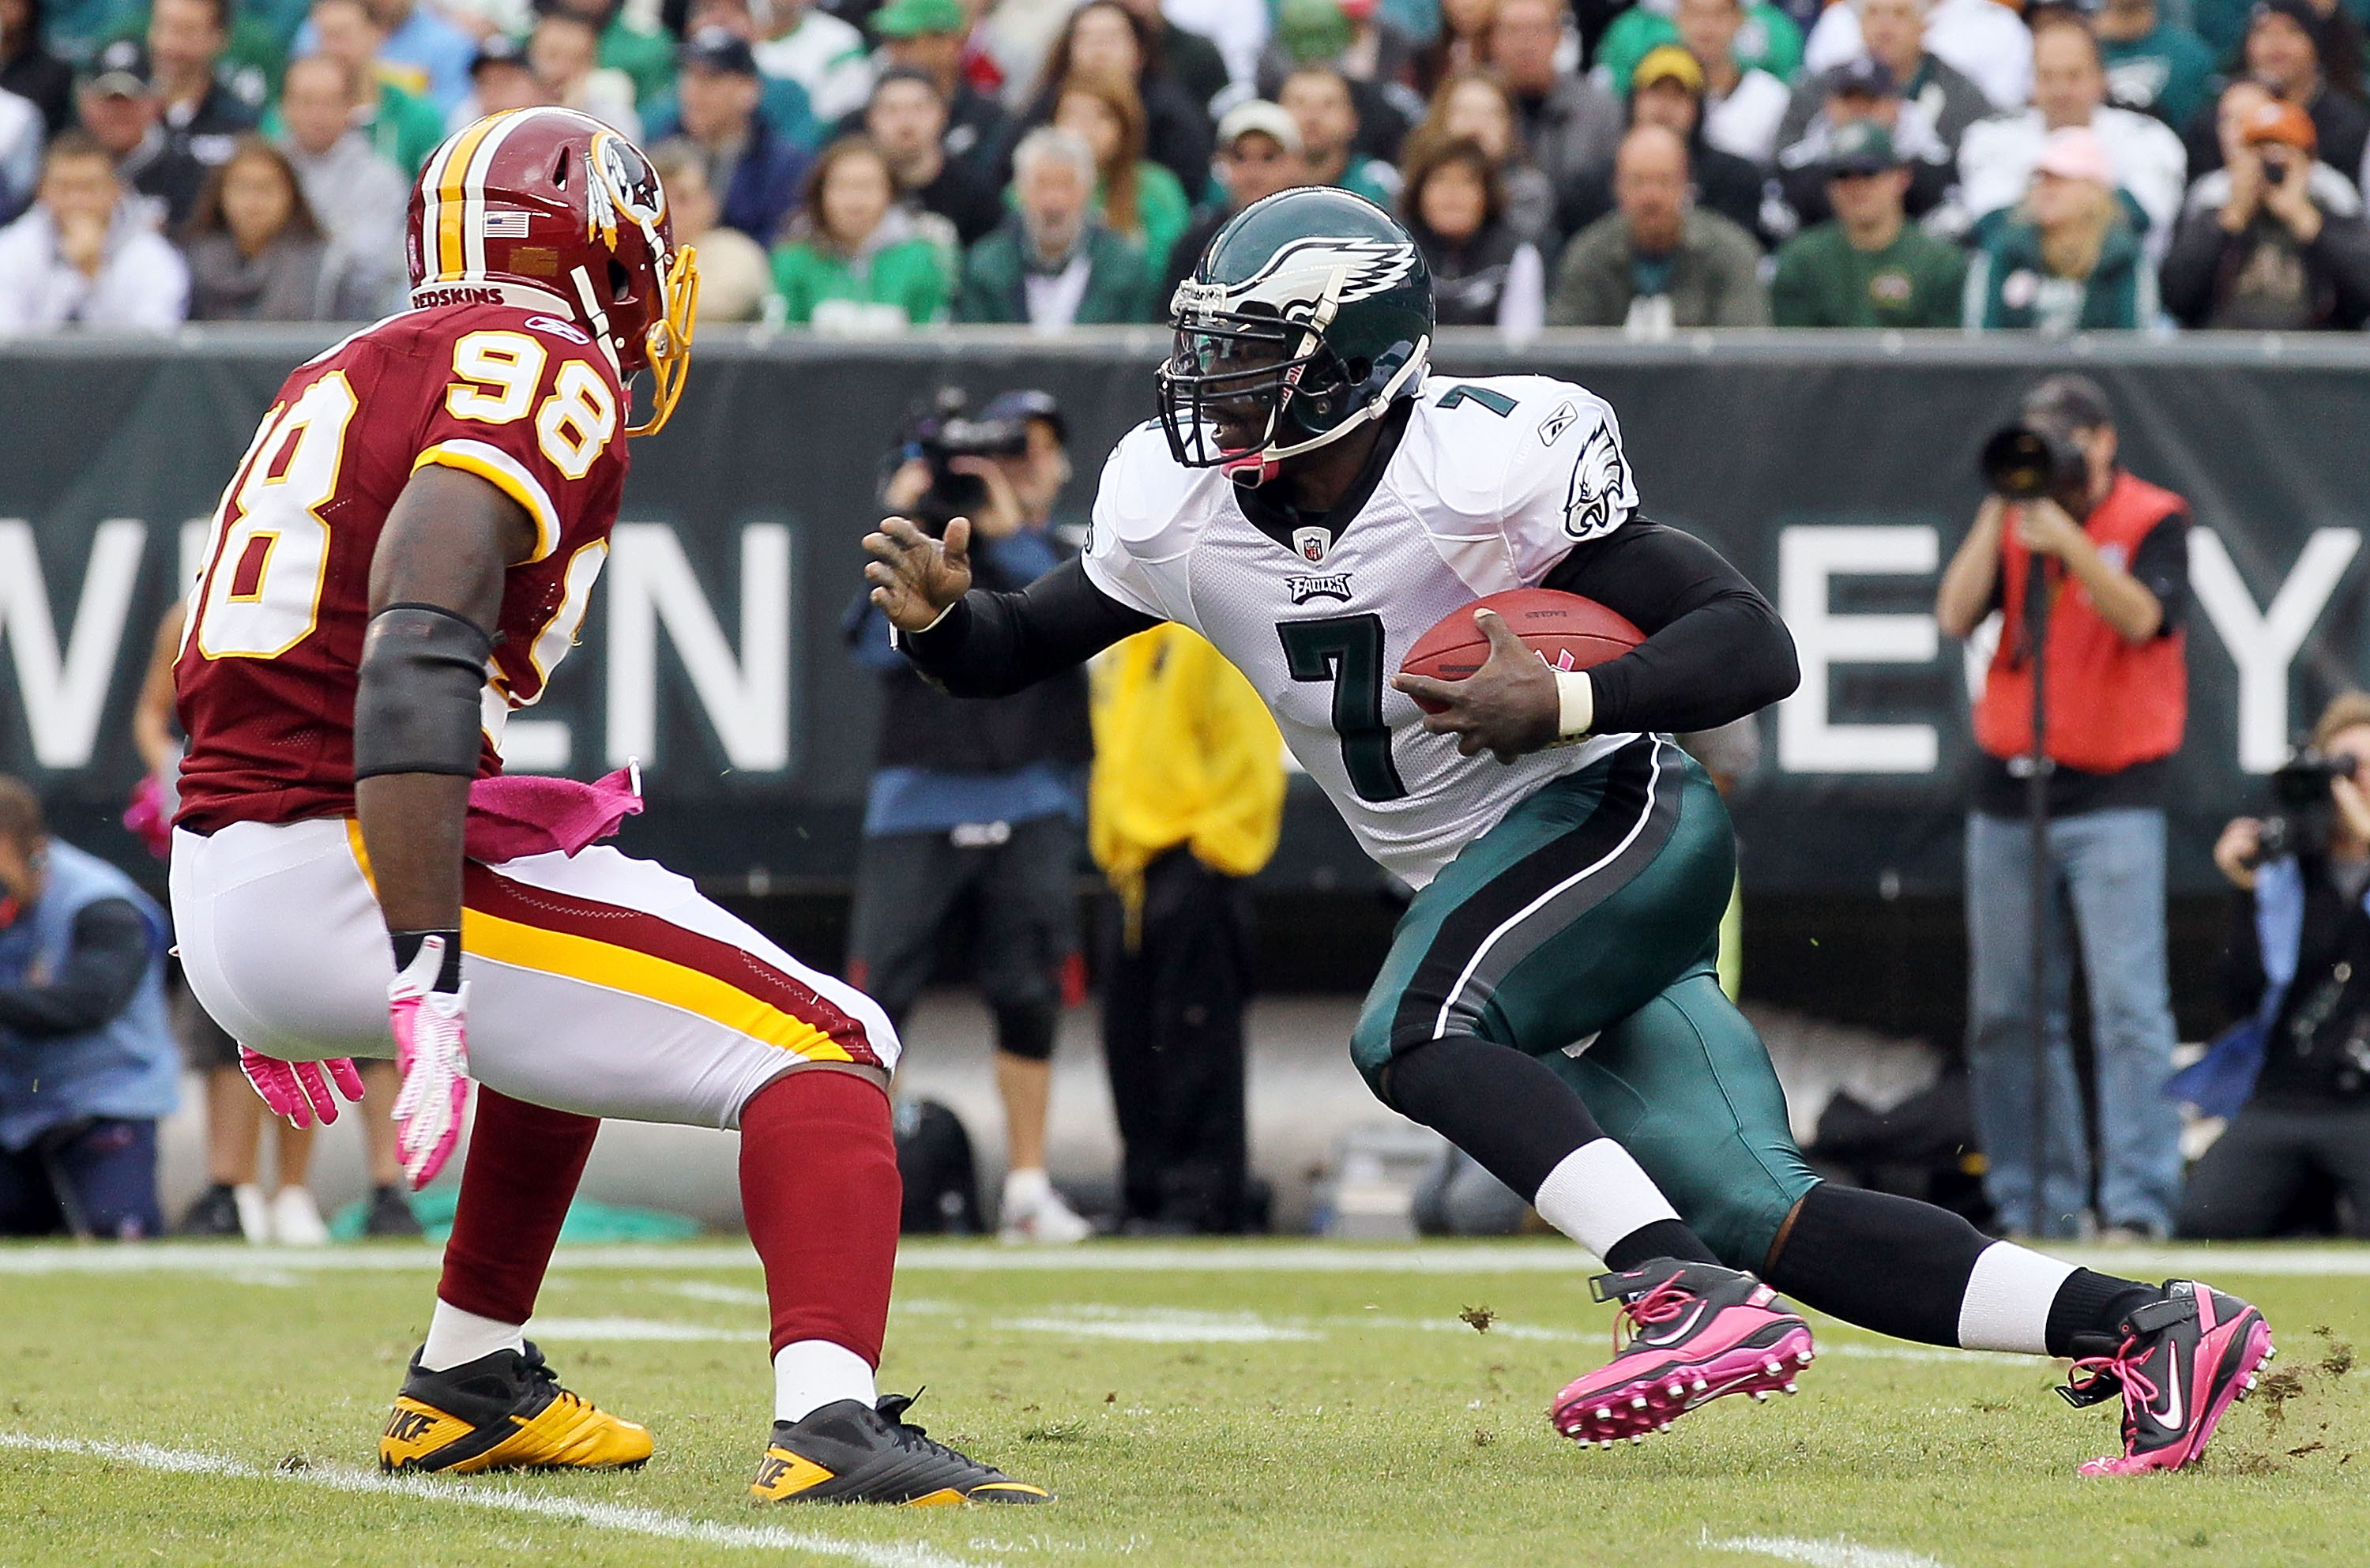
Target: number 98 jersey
<point x="265" y="674"/>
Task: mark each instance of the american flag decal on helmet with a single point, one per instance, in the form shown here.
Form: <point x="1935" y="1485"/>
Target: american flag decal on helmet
<point x="508" y="224"/>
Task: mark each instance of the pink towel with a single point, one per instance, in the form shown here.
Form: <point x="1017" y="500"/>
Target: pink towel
<point x="532" y="815"/>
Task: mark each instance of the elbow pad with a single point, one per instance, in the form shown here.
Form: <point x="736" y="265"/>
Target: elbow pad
<point x="417" y="707"/>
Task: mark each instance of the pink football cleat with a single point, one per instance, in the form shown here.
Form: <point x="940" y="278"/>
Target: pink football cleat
<point x="1697" y="1332"/>
<point x="2185" y="1357"/>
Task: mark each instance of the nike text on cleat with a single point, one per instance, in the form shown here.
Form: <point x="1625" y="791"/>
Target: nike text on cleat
<point x="851" y="1452"/>
<point x="505" y="1410"/>
<point x="1694" y="1331"/>
<point x="2184" y="1358"/>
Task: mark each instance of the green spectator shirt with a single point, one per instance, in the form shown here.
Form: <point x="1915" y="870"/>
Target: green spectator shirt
<point x="2007" y="288"/>
<point x="1769" y="40"/>
<point x="1162" y="211"/>
<point x="906" y="275"/>
<point x="1824" y="281"/>
<point x="647" y="57"/>
<point x="2169" y="73"/>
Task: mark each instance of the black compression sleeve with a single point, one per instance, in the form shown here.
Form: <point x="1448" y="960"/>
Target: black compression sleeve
<point x="994" y="644"/>
<point x="109" y="956"/>
<point x="1715" y="650"/>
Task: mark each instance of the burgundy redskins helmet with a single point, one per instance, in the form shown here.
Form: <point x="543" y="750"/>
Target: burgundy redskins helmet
<point x="551" y="209"/>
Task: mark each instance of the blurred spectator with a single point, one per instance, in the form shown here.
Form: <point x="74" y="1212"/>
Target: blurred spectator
<point x="2296" y="969"/>
<point x="1863" y="92"/>
<point x="84" y="253"/>
<point x="2109" y="555"/>
<point x="1138" y="198"/>
<point x="201" y="116"/>
<point x="2145" y="160"/>
<point x="1656" y="262"/>
<point x="735" y="277"/>
<point x="2273" y="241"/>
<point x="631" y="41"/>
<point x="1981" y="39"/>
<point x="402" y="125"/>
<point x="1185" y="805"/>
<point x="1477" y="107"/>
<point x="1767" y="40"/>
<point x="87" y="1064"/>
<point x="256" y="254"/>
<point x="781" y="101"/>
<point x="1318" y="98"/>
<point x="1189" y="60"/>
<point x="564" y="52"/>
<point x="2066" y="259"/>
<point x="742" y="153"/>
<point x="1569" y="124"/>
<point x="28" y="68"/>
<point x="121" y="111"/>
<point x="907" y="120"/>
<point x="2289" y="47"/>
<point x="1104" y="39"/>
<point x="499" y="80"/>
<point x="20" y="153"/>
<point x="1055" y="264"/>
<point x="1484" y="273"/>
<point x="2154" y="65"/>
<point x="1375" y="58"/>
<point x="1869" y="266"/>
<point x="1259" y="155"/>
<point x="1462" y="46"/>
<point x="977" y="805"/>
<point x="853" y="262"/>
<point x="423" y="53"/>
<point x="1893" y="34"/>
<point x="1238" y="29"/>
<point x="927" y="35"/>
<point x="802" y="43"/>
<point x="1668" y="91"/>
<point x="1741" y="107"/>
<point x="357" y="196"/>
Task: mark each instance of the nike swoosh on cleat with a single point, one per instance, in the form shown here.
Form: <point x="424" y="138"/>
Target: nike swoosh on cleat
<point x="2169" y="1417"/>
<point x="1707" y="1395"/>
<point x="1685" y="1325"/>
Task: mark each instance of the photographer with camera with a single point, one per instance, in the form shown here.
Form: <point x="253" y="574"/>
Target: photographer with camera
<point x="2296" y="969"/>
<point x="976" y="809"/>
<point x="2089" y="566"/>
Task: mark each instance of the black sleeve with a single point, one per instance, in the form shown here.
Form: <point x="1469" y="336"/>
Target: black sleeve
<point x="1715" y="650"/>
<point x="2241" y="969"/>
<point x="2161" y="565"/>
<point x="994" y="644"/>
<point x="103" y="969"/>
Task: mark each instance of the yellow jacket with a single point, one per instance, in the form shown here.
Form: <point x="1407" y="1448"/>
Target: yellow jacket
<point x="1184" y="754"/>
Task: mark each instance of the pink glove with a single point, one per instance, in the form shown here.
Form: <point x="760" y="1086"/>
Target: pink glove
<point x="431" y="1046"/>
<point x="297" y="1089"/>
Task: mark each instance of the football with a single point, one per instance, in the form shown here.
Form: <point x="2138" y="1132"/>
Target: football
<point x="1566" y="630"/>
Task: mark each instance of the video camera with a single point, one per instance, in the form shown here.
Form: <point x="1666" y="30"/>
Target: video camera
<point x="2305" y="811"/>
<point x="945" y="431"/>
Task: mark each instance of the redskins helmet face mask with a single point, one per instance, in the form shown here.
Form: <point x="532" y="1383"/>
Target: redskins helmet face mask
<point x="551" y="210"/>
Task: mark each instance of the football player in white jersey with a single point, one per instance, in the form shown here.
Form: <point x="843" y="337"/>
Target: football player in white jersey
<point x="1312" y="501"/>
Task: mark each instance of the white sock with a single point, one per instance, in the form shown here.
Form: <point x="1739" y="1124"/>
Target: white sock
<point x="811" y="1374"/>
<point x="2008" y="1298"/>
<point x="455" y="1336"/>
<point x="1025" y="1185"/>
<point x="1597" y="1194"/>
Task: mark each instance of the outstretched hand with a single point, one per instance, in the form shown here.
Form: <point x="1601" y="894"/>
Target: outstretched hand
<point x="1509" y="708"/>
<point x="915" y="578"/>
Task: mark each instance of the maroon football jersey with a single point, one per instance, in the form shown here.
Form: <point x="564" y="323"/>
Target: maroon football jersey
<point x="266" y="676"/>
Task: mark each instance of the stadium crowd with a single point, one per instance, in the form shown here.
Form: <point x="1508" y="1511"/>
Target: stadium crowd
<point x="865" y="166"/>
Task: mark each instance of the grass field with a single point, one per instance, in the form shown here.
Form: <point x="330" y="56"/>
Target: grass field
<point x="1253" y="1404"/>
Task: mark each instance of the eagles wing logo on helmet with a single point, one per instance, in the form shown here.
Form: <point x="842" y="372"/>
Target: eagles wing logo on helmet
<point x="1303" y="273"/>
<point x="1599" y="480"/>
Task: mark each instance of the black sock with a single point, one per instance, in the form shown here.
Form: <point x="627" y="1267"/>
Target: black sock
<point x="1663" y="1239"/>
<point x="2086" y="1317"/>
<point x="1892" y="1264"/>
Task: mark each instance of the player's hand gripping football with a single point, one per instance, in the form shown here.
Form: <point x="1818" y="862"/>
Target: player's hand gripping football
<point x="1508" y="708"/>
<point x="431" y="1046"/>
<point x="300" y="1090"/>
<point x="915" y="578"/>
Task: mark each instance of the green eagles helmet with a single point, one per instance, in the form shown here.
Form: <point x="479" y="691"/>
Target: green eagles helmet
<point x="1309" y="313"/>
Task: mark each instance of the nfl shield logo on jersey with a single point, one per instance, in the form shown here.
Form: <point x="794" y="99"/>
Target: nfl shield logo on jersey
<point x="1312" y="543"/>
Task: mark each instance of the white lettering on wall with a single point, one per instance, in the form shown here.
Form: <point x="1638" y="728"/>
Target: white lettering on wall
<point x="2264" y="643"/>
<point x="65" y="692"/>
<point x="1808" y="557"/>
<point x="747" y="699"/>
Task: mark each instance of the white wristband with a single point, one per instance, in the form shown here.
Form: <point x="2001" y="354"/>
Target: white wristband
<point x="1577" y="701"/>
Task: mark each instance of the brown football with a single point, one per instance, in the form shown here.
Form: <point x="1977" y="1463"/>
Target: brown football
<point x="1568" y="631"/>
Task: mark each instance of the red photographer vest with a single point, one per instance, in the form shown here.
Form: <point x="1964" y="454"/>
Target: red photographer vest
<point x="2110" y="705"/>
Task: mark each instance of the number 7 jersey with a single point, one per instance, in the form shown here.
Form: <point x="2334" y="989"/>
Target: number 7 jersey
<point x="267" y="670"/>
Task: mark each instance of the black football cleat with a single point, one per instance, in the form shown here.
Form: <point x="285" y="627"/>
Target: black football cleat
<point x="849" y="1452"/>
<point x="505" y="1410"/>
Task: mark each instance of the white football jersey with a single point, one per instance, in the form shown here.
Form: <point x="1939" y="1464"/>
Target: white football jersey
<point x="1493" y="481"/>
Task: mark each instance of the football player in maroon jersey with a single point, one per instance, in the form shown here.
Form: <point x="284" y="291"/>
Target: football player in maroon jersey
<point x="403" y="556"/>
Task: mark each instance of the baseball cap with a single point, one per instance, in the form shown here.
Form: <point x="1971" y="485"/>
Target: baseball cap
<point x="1864" y="78"/>
<point x="1860" y="147"/>
<point x="1314" y="31"/>
<point x="499" y="48"/>
<point x="1267" y="118"/>
<point x="2075" y="152"/>
<point x="910" y="19"/>
<point x="2282" y="122"/>
<point x="718" y="49"/>
<point x="121" y="70"/>
<point x="1027" y="403"/>
<point x="1667" y="63"/>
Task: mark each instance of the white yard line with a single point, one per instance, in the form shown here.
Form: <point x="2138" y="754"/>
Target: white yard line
<point x="1841" y="1551"/>
<point x="623" y="1517"/>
